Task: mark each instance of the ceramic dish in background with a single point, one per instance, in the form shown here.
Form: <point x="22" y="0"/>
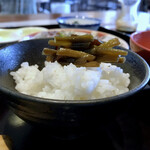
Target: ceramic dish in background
<point x="29" y="30"/>
<point x="14" y="35"/>
<point x="65" y="117"/>
<point x="140" y="43"/>
<point x="79" y="22"/>
<point x="103" y="36"/>
<point x="8" y="35"/>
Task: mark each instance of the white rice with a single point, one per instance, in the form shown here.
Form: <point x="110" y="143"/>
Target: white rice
<point x="71" y="83"/>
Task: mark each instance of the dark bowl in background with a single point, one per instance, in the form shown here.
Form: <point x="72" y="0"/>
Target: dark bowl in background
<point x="64" y="117"/>
<point x="90" y="23"/>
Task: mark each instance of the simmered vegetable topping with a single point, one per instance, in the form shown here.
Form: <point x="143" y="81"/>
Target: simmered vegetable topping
<point x="83" y="50"/>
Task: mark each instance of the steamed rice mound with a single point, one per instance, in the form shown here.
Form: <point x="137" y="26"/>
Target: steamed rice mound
<point x="69" y="82"/>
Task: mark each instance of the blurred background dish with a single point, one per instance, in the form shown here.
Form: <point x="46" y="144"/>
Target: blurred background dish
<point x="103" y="36"/>
<point x="13" y="35"/>
<point x="140" y="43"/>
<point x="79" y="22"/>
<point x="29" y="30"/>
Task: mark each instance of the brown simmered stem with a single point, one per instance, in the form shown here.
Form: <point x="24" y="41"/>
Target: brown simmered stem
<point x="48" y="51"/>
<point x="50" y="54"/>
<point x="110" y="51"/>
<point x="66" y="44"/>
<point x="75" y="39"/>
<point x="75" y="54"/>
<point x="111" y="43"/>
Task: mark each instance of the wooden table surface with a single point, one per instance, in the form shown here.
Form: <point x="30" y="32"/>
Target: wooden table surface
<point x="108" y="18"/>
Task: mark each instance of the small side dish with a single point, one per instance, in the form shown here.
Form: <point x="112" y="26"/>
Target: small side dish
<point x="140" y="43"/>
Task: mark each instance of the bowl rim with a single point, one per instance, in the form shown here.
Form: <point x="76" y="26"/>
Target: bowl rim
<point x="132" y="39"/>
<point x="29" y="98"/>
<point x="78" y="25"/>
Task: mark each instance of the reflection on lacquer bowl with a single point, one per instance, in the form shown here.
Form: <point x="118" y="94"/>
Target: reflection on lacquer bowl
<point x="64" y="116"/>
<point x="140" y="43"/>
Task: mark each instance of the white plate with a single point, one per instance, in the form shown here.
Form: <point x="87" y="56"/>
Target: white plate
<point x="13" y="35"/>
<point x="103" y="36"/>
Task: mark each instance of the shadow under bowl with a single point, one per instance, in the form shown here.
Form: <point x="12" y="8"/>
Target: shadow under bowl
<point x="64" y="116"/>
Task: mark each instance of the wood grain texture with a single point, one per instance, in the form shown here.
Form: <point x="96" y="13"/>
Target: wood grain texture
<point x="5" y="142"/>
